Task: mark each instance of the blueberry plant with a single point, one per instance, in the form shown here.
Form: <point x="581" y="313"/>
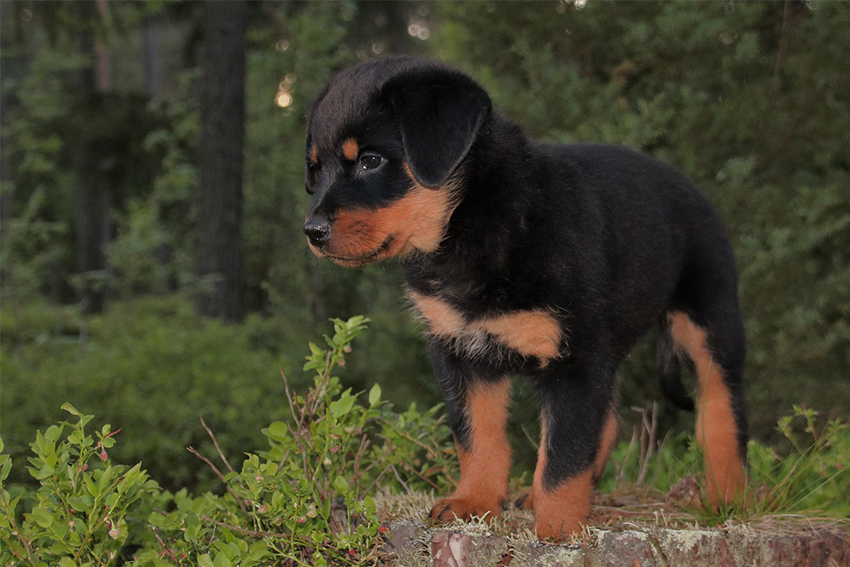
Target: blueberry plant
<point x="306" y="500"/>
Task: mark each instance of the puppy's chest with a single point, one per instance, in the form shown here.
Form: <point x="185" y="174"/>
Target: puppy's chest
<point x="529" y="333"/>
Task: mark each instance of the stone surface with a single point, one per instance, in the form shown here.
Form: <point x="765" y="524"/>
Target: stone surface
<point x="411" y="543"/>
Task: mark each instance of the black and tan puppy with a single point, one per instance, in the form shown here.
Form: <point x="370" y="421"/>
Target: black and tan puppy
<point x="538" y="259"/>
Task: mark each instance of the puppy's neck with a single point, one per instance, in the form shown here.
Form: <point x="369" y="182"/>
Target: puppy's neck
<point x="495" y="197"/>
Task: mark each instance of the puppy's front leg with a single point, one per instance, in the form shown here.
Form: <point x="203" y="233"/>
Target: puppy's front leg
<point x="478" y="409"/>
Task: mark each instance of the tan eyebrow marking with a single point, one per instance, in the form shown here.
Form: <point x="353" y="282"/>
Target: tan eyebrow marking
<point x="350" y="149"/>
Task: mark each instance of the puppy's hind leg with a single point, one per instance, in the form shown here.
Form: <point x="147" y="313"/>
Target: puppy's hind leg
<point x="716" y="350"/>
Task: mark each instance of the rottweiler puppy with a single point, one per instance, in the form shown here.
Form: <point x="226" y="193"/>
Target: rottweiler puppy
<point x="524" y="257"/>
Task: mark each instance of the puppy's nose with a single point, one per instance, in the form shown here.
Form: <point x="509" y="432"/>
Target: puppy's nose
<point x="318" y="231"/>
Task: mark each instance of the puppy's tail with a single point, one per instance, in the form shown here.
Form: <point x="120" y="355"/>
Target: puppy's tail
<point x="668" y="363"/>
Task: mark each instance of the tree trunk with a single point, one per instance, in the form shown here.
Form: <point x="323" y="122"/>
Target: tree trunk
<point x="92" y="199"/>
<point x="218" y="254"/>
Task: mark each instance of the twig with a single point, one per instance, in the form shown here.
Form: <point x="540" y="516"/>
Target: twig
<point x="783" y="43"/>
<point x="364" y="444"/>
<point x="244" y="531"/>
<point x="167" y="549"/>
<point x="289" y="399"/>
<point x="215" y="442"/>
<point x="220" y="476"/>
<point x="651" y="428"/>
<point x="660" y="454"/>
<point x="398" y="477"/>
<point x="628" y="456"/>
<point x="412" y="439"/>
<point x="375" y="482"/>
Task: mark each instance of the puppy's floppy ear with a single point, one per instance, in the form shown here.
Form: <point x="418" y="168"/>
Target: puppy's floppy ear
<point x="440" y="112"/>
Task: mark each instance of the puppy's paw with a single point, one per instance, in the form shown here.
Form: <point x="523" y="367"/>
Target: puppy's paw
<point x="448" y="509"/>
<point x="525" y="500"/>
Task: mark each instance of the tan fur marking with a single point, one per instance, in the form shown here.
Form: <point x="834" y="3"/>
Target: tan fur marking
<point x="563" y="510"/>
<point x="314" y="154"/>
<point x="350" y="149"/>
<point x="414" y="222"/>
<point x="442" y="319"/>
<point x="484" y="470"/>
<point x="606" y="443"/>
<point x="716" y="429"/>
<point x="530" y="333"/>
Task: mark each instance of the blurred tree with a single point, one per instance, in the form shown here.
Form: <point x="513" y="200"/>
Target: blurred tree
<point x="218" y="252"/>
<point x="93" y="196"/>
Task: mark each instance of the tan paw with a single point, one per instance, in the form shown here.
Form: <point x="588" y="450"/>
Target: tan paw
<point x="448" y="509"/>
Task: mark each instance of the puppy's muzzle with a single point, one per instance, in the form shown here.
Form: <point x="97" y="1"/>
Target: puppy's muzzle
<point x="318" y="230"/>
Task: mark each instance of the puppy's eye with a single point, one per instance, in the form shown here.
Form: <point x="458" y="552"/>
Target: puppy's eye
<point x="370" y="161"/>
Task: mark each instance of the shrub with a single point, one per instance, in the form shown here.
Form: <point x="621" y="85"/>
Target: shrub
<point x="79" y="513"/>
<point x="149" y="365"/>
<point x="305" y="500"/>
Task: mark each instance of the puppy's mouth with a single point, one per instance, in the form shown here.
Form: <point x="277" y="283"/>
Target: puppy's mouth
<point x="359" y="260"/>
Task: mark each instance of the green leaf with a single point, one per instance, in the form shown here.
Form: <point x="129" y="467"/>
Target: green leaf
<point x="343" y="405"/>
<point x="5" y="467"/>
<point x="53" y="432"/>
<point x="277" y="430"/>
<point x="259" y="551"/>
<point x="374" y="395"/>
<point x="41" y="517"/>
<point x="71" y="409"/>
<point x="341" y="485"/>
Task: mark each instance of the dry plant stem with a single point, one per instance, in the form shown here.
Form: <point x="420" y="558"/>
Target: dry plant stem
<point x="424" y="478"/>
<point x="622" y="467"/>
<point x="167" y="550"/>
<point x="642" y="440"/>
<point x="783" y="43"/>
<point x="358" y="457"/>
<point x="217" y="447"/>
<point x="398" y="477"/>
<point x="380" y="477"/>
<point x="220" y="476"/>
<point x="650" y="448"/>
<point x="245" y="531"/>
<point x="21" y="538"/>
<point x="292" y="405"/>
<point x="648" y="436"/>
<point x="298" y="415"/>
<point x="320" y="392"/>
<point x="661" y="445"/>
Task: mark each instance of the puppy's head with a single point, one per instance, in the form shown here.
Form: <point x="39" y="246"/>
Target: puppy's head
<point x="385" y="146"/>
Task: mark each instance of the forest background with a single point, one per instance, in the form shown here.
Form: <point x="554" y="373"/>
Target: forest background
<point x="154" y="272"/>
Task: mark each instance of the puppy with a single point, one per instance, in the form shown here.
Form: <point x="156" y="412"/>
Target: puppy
<point x="530" y="258"/>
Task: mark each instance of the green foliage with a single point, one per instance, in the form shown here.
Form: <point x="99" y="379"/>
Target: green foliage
<point x="79" y="514"/>
<point x="29" y="253"/>
<point x="147" y="364"/>
<point x="807" y="476"/>
<point x="307" y="500"/>
<point x="812" y="476"/>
